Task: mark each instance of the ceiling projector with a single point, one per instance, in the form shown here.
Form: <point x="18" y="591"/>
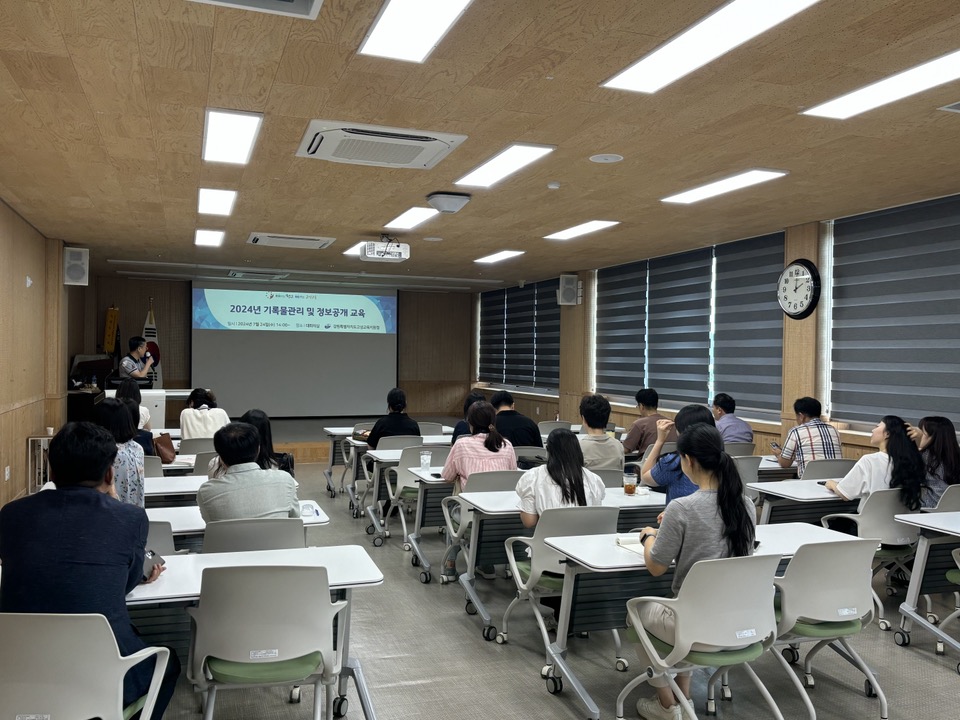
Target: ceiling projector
<point x="391" y="251"/>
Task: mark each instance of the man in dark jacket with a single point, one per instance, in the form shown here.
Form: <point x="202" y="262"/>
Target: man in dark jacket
<point x="517" y="428"/>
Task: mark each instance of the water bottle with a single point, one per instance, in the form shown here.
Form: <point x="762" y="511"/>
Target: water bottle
<point x="93" y="381"/>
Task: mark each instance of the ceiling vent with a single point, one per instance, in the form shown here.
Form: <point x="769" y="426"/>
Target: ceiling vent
<point x="954" y="108"/>
<point x="298" y="242"/>
<point x="306" y="9"/>
<point x="356" y="144"/>
<point x="256" y="275"/>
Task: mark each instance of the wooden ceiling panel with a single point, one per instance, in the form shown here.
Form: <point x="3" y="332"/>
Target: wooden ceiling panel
<point x="340" y="22"/>
<point x="307" y="61"/>
<point x="41" y="71"/>
<point x="251" y="34"/>
<point x="109" y="72"/>
<point x="240" y="82"/>
<point x="30" y="26"/>
<point x="303" y="101"/>
<point x="177" y="45"/>
<point x="183" y="87"/>
<point x="96" y="18"/>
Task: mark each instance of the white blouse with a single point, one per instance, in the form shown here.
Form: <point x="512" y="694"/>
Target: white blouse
<point x="539" y="492"/>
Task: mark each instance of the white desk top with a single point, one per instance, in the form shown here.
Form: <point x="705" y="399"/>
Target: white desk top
<point x="602" y="554"/>
<point x="427" y="476"/>
<point x="174" y="433"/>
<point x="427" y="440"/>
<point x="345" y="431"/>
<point x="348" y="566"/>
<point x="506" y="502"/>
<point x="577" y="428"/>
<point x="769" y="462"/>
<point x="947" y="523"/>
<point x="181" y="461"/>
<point x="797" y="490"/>
<point x="179" y="485"/>
<point x="187" y="521"/>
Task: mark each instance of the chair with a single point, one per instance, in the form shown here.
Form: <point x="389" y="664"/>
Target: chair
<point x="196" y="445"/>
<point x="722" y="603"/>
<point x="954" y="577"/>
<point x="949" y="501"/>
<point x="265" y="627"/>
<point x="393" y="442"/>
<point x="253" y="534"/>
<point x="152" y="467"/>
<point x="45" y="668"/>
<point x="430" y="428"/>
<point x="202" y="463"/>
<point x="403" y="491"/>
<point x="349" y="453"/>
<point x="827" y="469"/>
<point x="668" y="447"/>
<point x="749" y="468"/>
<point x="548" y="426"/>
<point x="739" y="448"/>
<point x="610" y="478"/>
<point x="875" y="520"/>
<point x="542" y="574"/>
<point x="160" y="537"/>
<point x="825" y="595"/>
<point x="529" y="456"/>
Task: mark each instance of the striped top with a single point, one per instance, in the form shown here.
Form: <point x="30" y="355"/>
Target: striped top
<point x="814" y="440"/>
<point x="468" y="455"/>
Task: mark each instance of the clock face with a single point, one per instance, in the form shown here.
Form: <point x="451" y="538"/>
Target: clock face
<point x="798" y="289"/>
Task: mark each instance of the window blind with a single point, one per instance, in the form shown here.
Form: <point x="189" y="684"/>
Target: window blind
<point x="621" y="329"/>
<point x="678" y="325"/>
<point x="492" y="315"/>
<point x="896" y="337"/>
<point x="748" y="322"/>
<point x="547" y="336"/>
<point x="519" y="336"/>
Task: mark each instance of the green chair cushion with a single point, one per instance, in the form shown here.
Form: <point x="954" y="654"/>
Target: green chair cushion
<point x="826" y="629"/>
<point x="133" y="708"/>
<point x="548" y="581"/>
<point x="721" y="658"/>
<point x="893" y="552"/>
<point x="228" y="671"/>
<point x="408" y="493"/>
<point x="954" y="576"/>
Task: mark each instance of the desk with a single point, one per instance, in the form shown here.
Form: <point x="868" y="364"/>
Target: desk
<point x="358" y="448"/>
<point x="939" y="535"/>
<point x="348" y="567"/>
<point x="336" y="435"/>
<point x="770" y="470"/>
<point x="186" y="520"/>
<point x="430" y="491"/>
<point x="799" y="501"/>
<point x="167" y="491"/>
<point x="180" y="463"/>
<point x="600" y="576"/>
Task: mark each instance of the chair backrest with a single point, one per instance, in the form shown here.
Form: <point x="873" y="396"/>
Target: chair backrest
<point x="202" y="462"/>
<point x="557" y="522"/>
<point x="363" y="427"/>
<point x="160" y="537"/>
<point x="827" y="582"/>
<point x="494" y="480"/>
<point x="668" y="447"/>
<point x="152" y="466"/>
<point x="876" y="519"/>
<point x="410" y="458"/>
<point x="739" y="448"/>
<point x="45" y="667"/>
<point x="530" y="453"/>
<point x="749" y="467"/>
<point x="399" y="442"/>
<point x="286" y="610"/>
<point x="950" y="500"/>
<point x="610" y="478"/>
<point x="548" y="426"/>
<point x="193" y="446"/>
<point x="827" y="469"/>
<point x="430" y="428"/>
<point x="255" y="534"/>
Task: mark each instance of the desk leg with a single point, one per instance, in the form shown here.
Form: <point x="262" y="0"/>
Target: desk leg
<point x="413" y="538"/>
<point x="352" y="487"/>
<point x="375" y="527"/>
<point x="350" y="668"/>
<point x="328" y="472"/>
<point x="909" y="609"/>
<point x="468" y="580"/>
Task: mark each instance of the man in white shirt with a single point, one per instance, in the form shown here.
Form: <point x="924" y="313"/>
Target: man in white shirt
<point x="600" y="451"/>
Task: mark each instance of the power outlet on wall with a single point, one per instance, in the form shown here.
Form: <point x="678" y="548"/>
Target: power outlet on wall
<point x="538" y="409"/>
<point x="6" y="474"/>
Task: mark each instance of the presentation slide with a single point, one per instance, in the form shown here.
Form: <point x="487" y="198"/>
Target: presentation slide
<point x="294" y="353"/>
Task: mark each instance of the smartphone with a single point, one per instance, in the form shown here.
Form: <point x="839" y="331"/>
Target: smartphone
<point x="774" y="444"/>
<point x="150" y="558"/>
<point x="436" y="475"/>
<point x="821" y="482"/>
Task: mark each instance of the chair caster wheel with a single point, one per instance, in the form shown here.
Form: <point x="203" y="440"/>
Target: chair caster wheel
<point x="933" y="618"/>
<point x="425" y="577"/>
<point x="791" y="655"/>
<point x="958" y="668"/>
<point x="884" y="624"/>
<point x="377" y="541"/>
<point x="349" y="507"/>
<point x="554" y="685"/>
<point x="415" y="560"/>
<point x="339" y="706"/>
<point x="868" y="689"/>
<point x="891" y="591"/>
<point x="808" y="682"/>
<point x="622" y="665"/>
<point x="370" y="529"/>
<point x="901" y="638"/>
<point x="501" y="638"/>
<point x="711" y="707"/>
<point x="295" y="694"/>
<point x="726" y="693"/>
<point x="386" y="533"/>
<point x="407" y="547"/>
<point x="441" y="531"/>
<point x="939" y="650"/>
<point x="356" y="515"/>
<point x="546" y="671"/>
<point x="470" y="608"/>
<point x="489" y="633"/>
<point x="507" y="573"/>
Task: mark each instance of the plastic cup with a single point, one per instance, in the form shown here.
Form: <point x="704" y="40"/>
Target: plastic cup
<point x="49" y="431"/>
<point x="425" y="457"/>
<point x="629" y="484"/>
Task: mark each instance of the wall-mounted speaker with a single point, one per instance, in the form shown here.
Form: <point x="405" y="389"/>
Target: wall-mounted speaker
<point x="570" y="290"/>
<point x="76" y="266"/>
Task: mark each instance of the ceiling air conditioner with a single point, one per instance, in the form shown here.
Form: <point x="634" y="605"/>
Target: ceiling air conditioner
<point x="356" y="144"/>
<point x="392" y="252"/>
<point x="298" y="242"/>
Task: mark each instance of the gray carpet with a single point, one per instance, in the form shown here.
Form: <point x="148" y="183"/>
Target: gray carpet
<point x="423" y="656"/>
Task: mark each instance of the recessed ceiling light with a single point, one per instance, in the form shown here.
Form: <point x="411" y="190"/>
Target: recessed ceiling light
<point x="411" y="218"/>
<point x="497" y="257"/>
<point x="606" y="158"/>
<point x="741" y="180"/>
<point x="410" y="29"/>
<point x="355" y="250"/>
<point x="229" y="136"/>
<point x="208" y="238"/>
<point x="896" y="87"/>
<point x="713" y="36"/>
<point x="504" y="163"/>
<point x="582" y="229"/>
<point x="216" y="202"/>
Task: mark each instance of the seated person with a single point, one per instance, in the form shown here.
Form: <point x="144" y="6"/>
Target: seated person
<point x="128" y="470"/>
<point x="897" y="464"/>
<point x="77" y="549"/>
<point x="143" y="438"/>
<point x="131" y="389"/>
<point x="936" y="437"/>
<point x="267" y="458"/>
<point x="667" y="471"/>
<point x="201" y="418"/>
<point x="483" y="450"/>
<point x="138" y="362"/>
<point x="518" y="429"/>
<point x="644" y="430"/>
<point x="396" y="422"/>
<point x="463" y="427"/>
<point x="245" y="490"/>
<point x="600" y="451"/>
<point x="811" y="439"/>
<point x="732" y="428"/>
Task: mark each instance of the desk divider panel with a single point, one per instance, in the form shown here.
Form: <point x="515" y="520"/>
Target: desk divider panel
<point x="432" y="514"/>
<point x="600" y="599"/>
<point x="788" y="511"/>
<point x="640" y="517"/>
<point x="492" y="533"/>
<point x="939" y="561"/>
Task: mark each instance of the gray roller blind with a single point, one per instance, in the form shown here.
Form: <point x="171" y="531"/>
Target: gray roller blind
<point x="621" y="328"/>
<point x="748" y="322"/>
<point x="519" y="336"/>
<point x="896" y="313"/>
<point x="492" y="317"/>
<point x="678" y="326"/>
<point x="547" y="336"/>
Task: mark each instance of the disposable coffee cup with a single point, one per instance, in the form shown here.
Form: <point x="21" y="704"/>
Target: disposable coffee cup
<point x="425" y="457"/>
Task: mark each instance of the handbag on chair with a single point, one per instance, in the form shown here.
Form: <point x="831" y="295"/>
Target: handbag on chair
<point x="163" y="446"/>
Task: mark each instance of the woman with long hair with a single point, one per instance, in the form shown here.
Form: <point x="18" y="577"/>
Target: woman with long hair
<point x="562" y="481"/>
<point x="267" y="458"/>
<point x="936" y="438"/>
<point x="897" y="464"/>
<point x="715" y="521"/>
<point x="664" y="471"/>
<point x="128" y="472"/>
<point x="130" y="389"/>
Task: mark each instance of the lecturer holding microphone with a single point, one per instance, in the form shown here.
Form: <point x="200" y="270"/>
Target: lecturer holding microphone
<point x="138" y="361"/>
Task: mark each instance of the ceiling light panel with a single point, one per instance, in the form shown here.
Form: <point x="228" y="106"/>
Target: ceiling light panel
<point x="208" y="238"/>
<point x="582" y="229"/>
<point x="498" y="257"/>
<point x="355" y="250"/>
<point x="411" y="218"/>
<point x="715" y="35"/>
<point x="896" y="87"/>
<point x="216" y="202"/>
<point x="229" y="136"/>
<point x="511" y="160"/>
<point x="410" y="29"/>
<point x="736" y="182"/>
